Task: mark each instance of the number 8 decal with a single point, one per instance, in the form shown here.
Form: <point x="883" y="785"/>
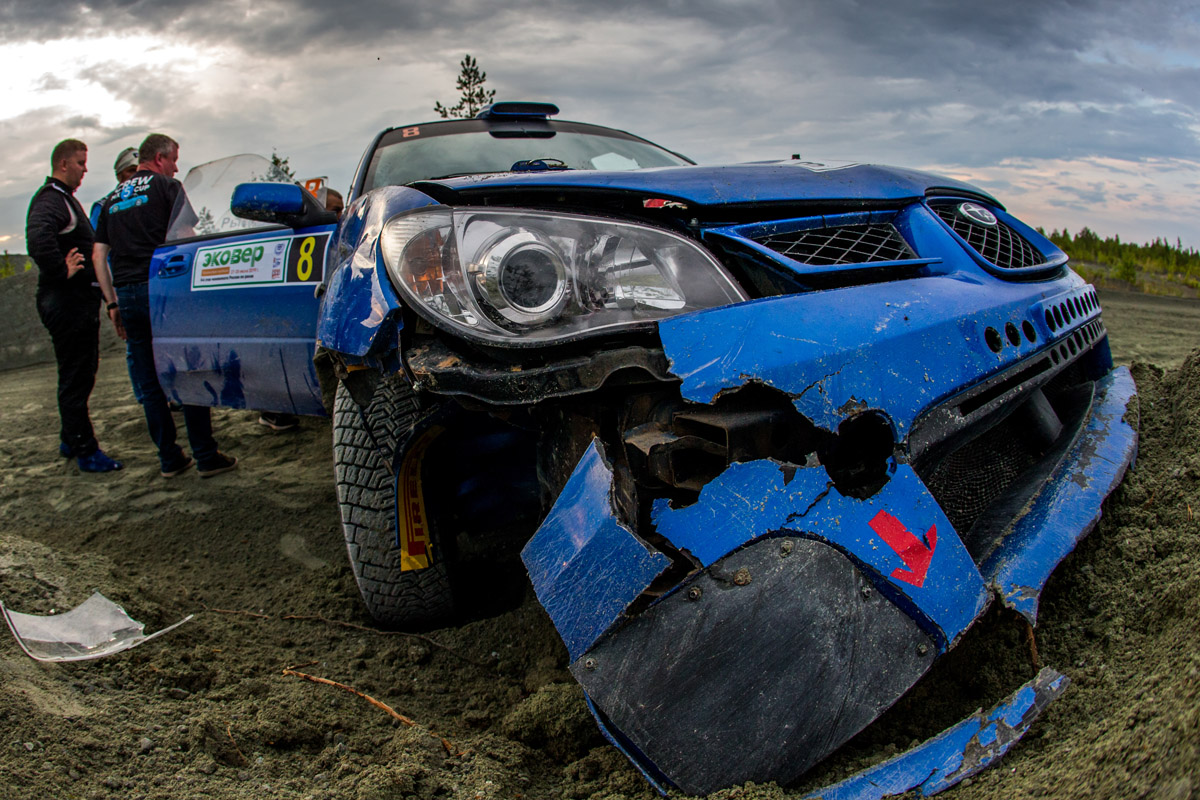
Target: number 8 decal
<point x="304" y="267"/>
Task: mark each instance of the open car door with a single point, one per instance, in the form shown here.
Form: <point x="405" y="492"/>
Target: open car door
<point x="233" y="302"/>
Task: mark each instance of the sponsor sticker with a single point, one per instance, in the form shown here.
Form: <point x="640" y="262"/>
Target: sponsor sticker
<point x="291" y="259"/>
<point x="658" y="202"/>
<point x="413" y="536"/>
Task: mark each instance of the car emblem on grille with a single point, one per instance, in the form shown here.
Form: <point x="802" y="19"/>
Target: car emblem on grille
<point x="977" y="214"/>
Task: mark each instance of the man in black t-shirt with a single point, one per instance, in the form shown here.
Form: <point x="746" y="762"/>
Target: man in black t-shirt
<point x="59" y="238"/>
<point x="133" y="222"/>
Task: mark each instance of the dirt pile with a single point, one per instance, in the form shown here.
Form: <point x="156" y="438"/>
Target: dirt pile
<point x="207" y="711"/>
<point x="23" y="339"/>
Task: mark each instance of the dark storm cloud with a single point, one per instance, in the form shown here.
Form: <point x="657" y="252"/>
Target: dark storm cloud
<point x="983" y="55"/>
<point x="935" y="83"/>
<point x="924" y="35"/>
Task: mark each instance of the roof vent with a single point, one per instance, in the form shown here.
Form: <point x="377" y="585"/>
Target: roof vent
<point x="517" y="110"/>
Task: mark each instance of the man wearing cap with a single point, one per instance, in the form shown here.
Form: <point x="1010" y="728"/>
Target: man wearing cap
<point x="134" y="221"/>
<point x="59" y="237"/>
<point x="124" y="167"/>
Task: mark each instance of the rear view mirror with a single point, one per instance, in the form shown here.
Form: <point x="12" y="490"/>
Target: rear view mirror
<point x="280" y="203"/>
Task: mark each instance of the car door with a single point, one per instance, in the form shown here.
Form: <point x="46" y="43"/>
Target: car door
<point x="233" y="302"/>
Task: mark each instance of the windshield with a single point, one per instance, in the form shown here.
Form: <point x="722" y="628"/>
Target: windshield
<point x="203" y="208"/>
<point x="468" y="147"/>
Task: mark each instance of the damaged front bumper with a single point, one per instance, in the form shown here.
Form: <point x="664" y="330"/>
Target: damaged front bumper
<point x="819" y="594"/>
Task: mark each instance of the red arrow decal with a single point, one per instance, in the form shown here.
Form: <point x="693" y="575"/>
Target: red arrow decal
<point x="915" y="554"/>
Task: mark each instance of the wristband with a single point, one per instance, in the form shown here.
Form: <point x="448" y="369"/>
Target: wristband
<point x="110" y="306"/>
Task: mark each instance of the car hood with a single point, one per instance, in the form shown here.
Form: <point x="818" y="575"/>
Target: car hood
<point x="768" y="182"/>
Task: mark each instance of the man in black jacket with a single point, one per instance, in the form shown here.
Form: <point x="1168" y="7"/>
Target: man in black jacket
<point x="59" y="238"/>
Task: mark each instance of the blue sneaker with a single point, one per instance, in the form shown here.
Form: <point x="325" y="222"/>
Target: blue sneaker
<point x="65" y="450"/>
<point x="98" y="462"/>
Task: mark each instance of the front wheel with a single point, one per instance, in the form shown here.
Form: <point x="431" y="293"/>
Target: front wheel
<point x="409" y="585"/>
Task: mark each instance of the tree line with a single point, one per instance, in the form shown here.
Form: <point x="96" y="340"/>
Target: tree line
<point x="1126" y="259"/>
<point x="12" y="264"/>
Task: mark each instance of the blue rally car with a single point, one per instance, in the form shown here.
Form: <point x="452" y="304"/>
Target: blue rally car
<point x="773" y="435"/>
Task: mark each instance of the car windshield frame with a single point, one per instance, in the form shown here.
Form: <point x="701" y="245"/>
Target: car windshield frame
<point x="537" y="138"/>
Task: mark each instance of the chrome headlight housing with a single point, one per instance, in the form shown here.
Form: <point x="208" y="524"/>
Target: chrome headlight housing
<point x="533" y="277"/>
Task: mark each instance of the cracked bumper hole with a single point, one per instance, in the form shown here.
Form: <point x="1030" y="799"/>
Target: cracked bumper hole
<point x="857" y="458"/>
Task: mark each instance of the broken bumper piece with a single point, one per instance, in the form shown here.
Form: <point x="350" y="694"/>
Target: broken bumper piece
<point x="956" y="753"/>
<point x="95" y="628"/>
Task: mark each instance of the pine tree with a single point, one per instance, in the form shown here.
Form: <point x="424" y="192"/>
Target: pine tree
<point x="474" y="97"/>
<point x="280" y="171"/>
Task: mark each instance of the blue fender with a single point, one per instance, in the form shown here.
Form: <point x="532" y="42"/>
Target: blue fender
<point x="360" y="311"/>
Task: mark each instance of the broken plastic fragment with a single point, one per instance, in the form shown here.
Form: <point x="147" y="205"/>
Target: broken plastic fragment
<point x="97" y="627"/>
<point x="956" y="753"/>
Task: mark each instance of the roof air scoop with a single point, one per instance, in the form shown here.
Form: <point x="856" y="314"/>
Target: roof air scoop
<point x="517" y="110"/>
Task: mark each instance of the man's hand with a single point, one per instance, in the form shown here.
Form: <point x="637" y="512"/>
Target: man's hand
<point x="74" y="262"/>
<point x="114" y="314"/>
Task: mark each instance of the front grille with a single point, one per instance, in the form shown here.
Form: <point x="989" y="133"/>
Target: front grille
<point x="848" y="244"/>
<point x="966" y="482"/>
<point x="997" y="243"/>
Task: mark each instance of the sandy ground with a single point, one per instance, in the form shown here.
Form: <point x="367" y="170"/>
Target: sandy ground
<point x="257" y="555"/>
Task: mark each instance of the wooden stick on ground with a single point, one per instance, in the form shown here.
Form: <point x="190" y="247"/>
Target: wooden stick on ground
<point x="1031" y="640"/>
<point x="449" y="748"/>
<point x="236" y="613"/>
<point x="238" y="750"/>
<point x="383" y="706"/>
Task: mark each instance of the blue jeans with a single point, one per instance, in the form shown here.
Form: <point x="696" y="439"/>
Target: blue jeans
<point x="134" y="301"/>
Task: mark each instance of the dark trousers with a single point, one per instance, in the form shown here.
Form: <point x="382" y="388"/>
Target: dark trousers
<point x="73" y="318"/>
<point x="139" y="354"/>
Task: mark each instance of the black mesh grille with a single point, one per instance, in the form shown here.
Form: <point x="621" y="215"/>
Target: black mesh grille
<point x="997" y="243"/>
<point x="850" y="244"/>
<point x="966" y="482"/>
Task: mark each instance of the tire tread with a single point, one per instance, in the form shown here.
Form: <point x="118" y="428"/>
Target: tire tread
<point x="394" y="598"/>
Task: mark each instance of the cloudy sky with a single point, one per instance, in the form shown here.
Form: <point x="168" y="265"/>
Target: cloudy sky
<point x="1073" y="112"/>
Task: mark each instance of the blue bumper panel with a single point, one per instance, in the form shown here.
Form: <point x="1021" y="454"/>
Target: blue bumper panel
<point x="897" y="347"/>
<point x="586" y="568"/>
<point x="957" y="753"/>
<point x="1069" y="505"/>
<point x="900" y="534"/>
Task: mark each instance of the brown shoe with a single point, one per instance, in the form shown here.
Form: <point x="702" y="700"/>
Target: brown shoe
<point x="181" y="468"/>
<point x="219" y="463"/>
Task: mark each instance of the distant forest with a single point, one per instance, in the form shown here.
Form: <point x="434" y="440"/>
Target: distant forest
<point x="1145" y="266"/>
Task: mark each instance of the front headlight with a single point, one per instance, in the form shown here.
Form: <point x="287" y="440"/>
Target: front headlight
<point x="531" y="277"/>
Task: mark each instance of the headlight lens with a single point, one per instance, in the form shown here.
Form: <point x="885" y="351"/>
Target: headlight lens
<point x="530" y="277"/>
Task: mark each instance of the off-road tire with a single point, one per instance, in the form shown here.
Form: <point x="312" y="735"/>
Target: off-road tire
<point x="366" y="500"/>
